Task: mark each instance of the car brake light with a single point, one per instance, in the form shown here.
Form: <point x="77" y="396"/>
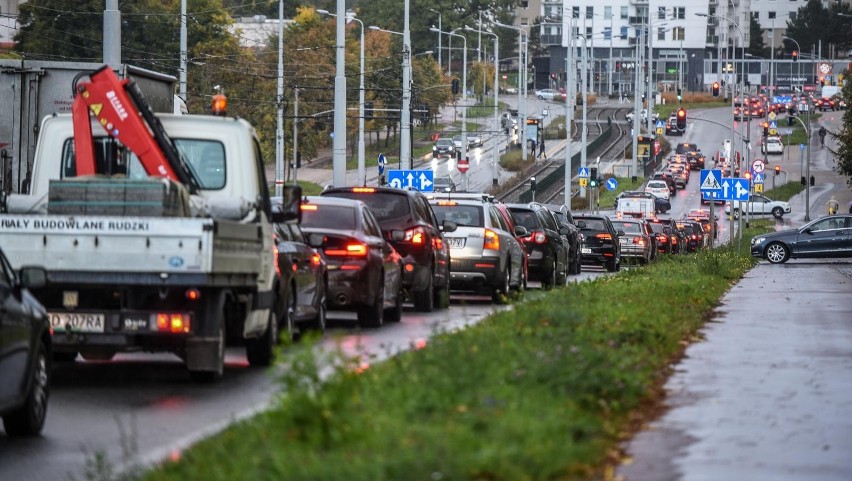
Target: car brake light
<point x="310" y="207"/>
<point x="355" y="249"/>
<point x="363" y="190"/>
<point x="539" y="237"/>
<point x="663" y="238"/>
<point x="447" y="202"/>
<point x="172" y="322"/>
<point x="316" y="259"/>
<point x="604" y="236"/>
<point x="638" y="240"/>
<point x="415" y="235"/>
<point x="492" y="241"/>
<point x="275" y="260"/>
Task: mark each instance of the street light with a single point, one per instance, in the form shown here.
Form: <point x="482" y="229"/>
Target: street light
<point x="798" y="49"/>
<point x="495" y="160"/>
<point x="362" y="173"/>
<point x="522" y="91"/>
<point x="440" y="67"/>
<point x="464" y="95"/>
<point x="807" y="170"/>
<point x="404" y="112"/>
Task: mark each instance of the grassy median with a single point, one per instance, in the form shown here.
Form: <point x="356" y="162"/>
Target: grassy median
<point x="543" y="392"/>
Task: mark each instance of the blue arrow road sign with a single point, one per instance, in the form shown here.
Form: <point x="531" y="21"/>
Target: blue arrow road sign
<point x="611" y="183"/>
<point x="710" y="180"/>
<point x="382" y="162"/>
<point x="759" y="178"/>
<point x="422" y="180"/>
<point x="735" y="189"/>
<point x="583" y="172"/>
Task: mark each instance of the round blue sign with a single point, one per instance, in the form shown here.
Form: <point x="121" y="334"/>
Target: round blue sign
<point x="611" y="183"/>
<point x="382" y="162"/>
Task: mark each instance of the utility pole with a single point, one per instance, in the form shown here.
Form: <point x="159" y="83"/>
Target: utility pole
<point x="279" y="130"/>
<point x="339" y="140"/>
<point x="585" y="87"/>
<point x="569" y="118"/>
<point x="183" y="59"/>
<point x="112" y="35"/>
<point x="295" y="138"/>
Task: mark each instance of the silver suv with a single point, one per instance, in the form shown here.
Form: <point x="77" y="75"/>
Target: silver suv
<point x="485" y="255"/>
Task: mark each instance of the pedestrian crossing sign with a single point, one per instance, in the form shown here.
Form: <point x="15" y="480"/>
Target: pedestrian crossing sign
<point x="710" y="180"/>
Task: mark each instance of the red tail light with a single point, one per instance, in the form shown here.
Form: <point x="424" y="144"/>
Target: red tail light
<point x="275" y="260"/>
<point x="173" y="322"/>
<point x="604" y="236"/>
<point x="639" y="240"/>
<point x="363" y="190"/>
<point x="316" y="259"/>
<point x="353" y="249"/>
<point x="311" y="207"/>
<point x="415" y="235"/>
<point x="492" y="241"/>
<point x="663" y="238"/>
<point x="536" y="236"/>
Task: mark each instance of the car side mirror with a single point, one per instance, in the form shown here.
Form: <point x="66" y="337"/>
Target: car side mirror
<point x="581" y="224"/>
<point x="521" y="231"/>
<point x="807" y="231"/>
<point x="33" y="277"/>
<point x="620" y="233"/>
<point x="397" y="235"/>
<point x="564" y="231"/>
<point x="315" y="240"/>
<point x="291" y="198"/>
<point x="449" y="226"/>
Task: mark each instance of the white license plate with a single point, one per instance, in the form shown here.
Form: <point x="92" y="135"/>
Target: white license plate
<point x="455" y="242"/>
<point x="77" y="321"/>
<point x="586" y="250"/>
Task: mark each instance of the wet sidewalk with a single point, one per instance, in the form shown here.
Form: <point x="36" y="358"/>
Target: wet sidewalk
<point x="768" y="394"/>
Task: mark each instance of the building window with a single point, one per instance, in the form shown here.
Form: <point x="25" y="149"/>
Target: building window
<point x="678" y="33"/>
<point x="680" y="13"/>
<point x="771" y="15"/>
<point x="607" y="33"/>
<point x="623" y="33"/>
<point x="756" y="15"/>
<point x="661" y="13"/>
<point x="792" y="16"/>
<point x="624" y="12"/>
<point x="575" y="12"/>
<point x="590" y="12"/>
<point x="661" y="33"/>
<point x="525" y="21"/>
<point x="608" y="13"/>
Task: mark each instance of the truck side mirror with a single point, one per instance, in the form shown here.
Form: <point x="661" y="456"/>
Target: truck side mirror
<point x="291" y="198"/>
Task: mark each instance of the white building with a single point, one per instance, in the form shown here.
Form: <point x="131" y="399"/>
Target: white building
<point x="254" y="32"/>
<point x="8" y="22"/>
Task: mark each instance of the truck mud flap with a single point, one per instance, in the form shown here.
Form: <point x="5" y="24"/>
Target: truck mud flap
<point x="202" y="354"/>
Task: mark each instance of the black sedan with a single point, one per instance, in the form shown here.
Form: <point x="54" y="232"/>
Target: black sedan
<point x="546" y="245"/>
<point x="827" y="237"/>
<point x="364" y="271"/>
<point x="600" y="241"/>
<point x="25" y="351"/>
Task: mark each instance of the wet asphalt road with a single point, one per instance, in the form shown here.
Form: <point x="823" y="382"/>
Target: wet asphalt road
<point x="768" y="394"/>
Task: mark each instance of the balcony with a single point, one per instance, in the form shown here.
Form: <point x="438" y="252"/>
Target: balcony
<point x="551" y="39"/>
<point x="638" y="2"/>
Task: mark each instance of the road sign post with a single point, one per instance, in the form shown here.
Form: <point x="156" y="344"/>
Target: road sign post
<point x="710" y="184"/>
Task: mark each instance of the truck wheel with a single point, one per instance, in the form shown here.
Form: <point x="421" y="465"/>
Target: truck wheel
<point x="28" y="420"/>
<point x="373" y="316"/>
<point x="261" y="351"/>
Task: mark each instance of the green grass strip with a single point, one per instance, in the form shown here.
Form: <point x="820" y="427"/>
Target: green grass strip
<point x="542" y="392"/>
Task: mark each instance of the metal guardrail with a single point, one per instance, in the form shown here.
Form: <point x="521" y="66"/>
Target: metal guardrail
<point x="558" y="175"/>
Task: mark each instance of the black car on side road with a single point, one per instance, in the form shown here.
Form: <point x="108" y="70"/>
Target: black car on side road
<point x="826" y="237"/>
<point x="600" y="241"/>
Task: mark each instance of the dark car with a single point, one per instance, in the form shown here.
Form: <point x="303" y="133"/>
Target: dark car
<point x="663" y="235"/>
<point x="408" y="223"/>
<point x="574" y="237"/>
<point x="600" y="241"/>
<point x="364" y="271"/>
<point x="826" y="237"/>
<point x="545" y="244"/>
<point x="302" y="283"/>
<point x="684" y="147"/>
<point x="25" y="351"/>
<point x="486" y="255"/>
<point x="444" y="147"/>
<point x="638" y="242"/>
<point x="695" y="160"/>
<point x="661" y="206"/>
<point x="676" y="237"/>
<point x="694" y="234"/>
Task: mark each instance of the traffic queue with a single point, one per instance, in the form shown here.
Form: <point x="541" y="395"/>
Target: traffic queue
<point x="375" y="248"/>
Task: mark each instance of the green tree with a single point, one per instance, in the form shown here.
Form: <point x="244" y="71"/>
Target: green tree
<point x="815" y="23"/>
<point x="843" y="153"/>
<point x="756" y="45"/>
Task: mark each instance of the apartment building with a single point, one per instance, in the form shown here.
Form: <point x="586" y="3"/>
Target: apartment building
<point x="8" y="22"/>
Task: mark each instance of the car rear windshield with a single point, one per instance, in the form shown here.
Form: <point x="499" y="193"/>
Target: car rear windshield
<point x="627" y="227"/>
<point x="594" y="224"/>
<point x="463" y="215"/>
<point x="328" y="216"/>
<point x="385" y="206"/>
<point x="657" y="185"/>
<point x="526" y="218"/>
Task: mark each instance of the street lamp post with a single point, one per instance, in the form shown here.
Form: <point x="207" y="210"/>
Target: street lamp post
<point x="339" y="141"/>
<point x="495" y="157"/>
<point x="464" y="97"/>
<point x="362" y="173"/>
<point x="807" y="170"/>
<point x="440" y="65"/>
<point x="522" y="89"/>
<point x="798" y="49"/>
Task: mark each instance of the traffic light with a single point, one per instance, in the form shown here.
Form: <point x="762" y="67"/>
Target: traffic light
<point x="795" y="55"/>
<point x="681" y="119"/>
<point x="748" y="176"/>
<point x="822" y="81"/>
<point x="679" y="96"/>
<point x="765" y="129"/>
<point x="532" y="184"/>
<point x="715" y="89"/>
<point x="368" y="110"/>
<point x="455" y="86"/>
<point x="593" y="177"/>
<point x="777" y="169"/>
